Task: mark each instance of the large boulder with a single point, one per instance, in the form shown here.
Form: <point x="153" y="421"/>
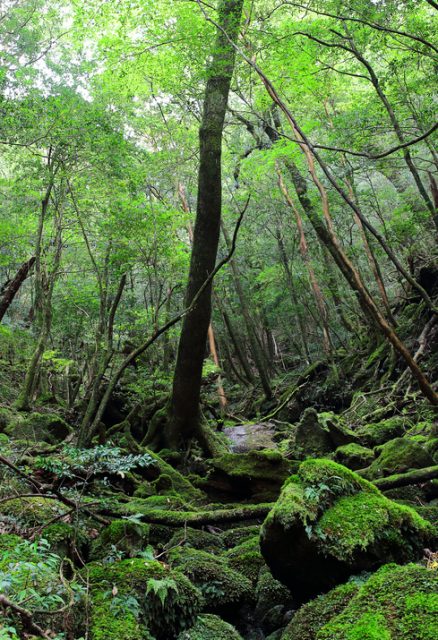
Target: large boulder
<point x="396" y="603"/>
<point x="376" y="433"/>
<point x="398" y="456"/>
<point x="311" y="437"/>
<point x="251" y="437"/>
<point x="330" y="523"/>
<point x="38" y="427"/>
<point x="257" y="475"/>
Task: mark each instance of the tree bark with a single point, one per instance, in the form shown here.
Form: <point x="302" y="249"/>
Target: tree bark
<point x="11" y="288"/>
<point x="184" y="415"/>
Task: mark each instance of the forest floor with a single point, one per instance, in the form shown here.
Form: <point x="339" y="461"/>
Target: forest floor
<point x="319" y="524"/>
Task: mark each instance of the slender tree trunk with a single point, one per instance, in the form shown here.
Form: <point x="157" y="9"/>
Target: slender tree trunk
<point x="293" y="296"/>
<point x="184" y="415"/>
<point x="10" y="289"/>
<point x="317" y="293"/>
<point x="256" y="349"/>
<point x="235" y="339"/>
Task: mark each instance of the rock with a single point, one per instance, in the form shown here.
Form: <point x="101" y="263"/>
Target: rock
<point x="246" y="558"/>
<point x="378" y="433"/>
<point x="354" y="456"/>
<point x="120" y="537"/>
<point x="257" y="475"/>
<point x="273" y="600"/>
<point x="329" y="523"/>
<point x="37" y="427"/>
<point x="398" y="456"/>
<point x="312" y="439"/>
<point x="223" y="588"/>
<point x="197" y="539"/>
<point x="311" y="617"/>
<point x="161" y="618"/>
<point x="210" y="627"/>
<point x="340" y="433"/>
<point x="251" y="437"/>
<point x="396" y="603"/>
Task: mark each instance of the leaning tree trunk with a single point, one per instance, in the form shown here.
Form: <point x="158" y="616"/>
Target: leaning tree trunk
<point x="10" y="289"/>
<point x="184" y="415"/>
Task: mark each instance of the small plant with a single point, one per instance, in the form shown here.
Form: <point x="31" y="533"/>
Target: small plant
<point x="161" y="588"/>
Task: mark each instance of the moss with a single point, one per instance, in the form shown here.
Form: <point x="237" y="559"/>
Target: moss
<point x="63" y="538"/>
<point x="127" y="537"/>
<point x="311" y="617"/>
<point x="267" y="464"/>
<point x="364" y="521"/>
<point x="399" y="455"/>
<point x="332" y="523"/>
<point x="197" y="539"/>
<point x="163" y="483"/>
<point x="380" y="432"/>
<point x="221" y="586"/>
<point x="113" y="587"/>
<point x="143" y="505"/>
<point x="396" y="603"/>
<point x="247" y="558"/>
<point x="31" y="512"/>
<point x="233" y="537"/>
<point x="180" y="483"/>
<point x="354" y="456"/>
<point x="47" y="427"/>
<point x="210" y="627"/>
<point x="272" y="600"/>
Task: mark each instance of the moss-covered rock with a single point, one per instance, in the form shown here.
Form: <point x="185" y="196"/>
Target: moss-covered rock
<point x="124" y="536"/>
<point x="330" y="523"/>
<point x="311" y="617"/>
<point x="31" y="512"/>
<point x="210" y="627"/>
<point x="197" y="539"/>
<point x="312" y="438"/>
<point x="340" y="433"/>
<point x="223" y="588"/>
<point x="247" y="558"/>
<point x="65" y="540"/>
<point x="396" y="603"/>
<point x="256" y="475"/>
<point x="398" y="456"/>
<point x="37" y="427"/>
<point x="273" y="600"/>
<point x="377" y="433"/>
<point x="233" y="537"/>
<point x="354" y="456"/>
<point x="140" y="600"/>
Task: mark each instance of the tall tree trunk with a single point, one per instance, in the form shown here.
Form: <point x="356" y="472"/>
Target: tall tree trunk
<point x="10" y="289"/>
<point x="184" y="415"/>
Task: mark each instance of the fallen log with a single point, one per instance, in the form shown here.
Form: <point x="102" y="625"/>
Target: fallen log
<point x="416" y="476"/>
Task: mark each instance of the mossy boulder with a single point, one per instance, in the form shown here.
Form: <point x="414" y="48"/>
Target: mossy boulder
<point x="210" y="627"/>
<point x="377" y="433"/>
<point x="197" y="539"/>
<point x="37" y="427"/>
<point x="66" y="540"/>
<point x="223" y="588"/>
<point x="311" y="617"/>
<point x="273" y="601"/>
<point x="354" y="456"/>
<point x="312" y="438"/>
<point x="396" y="603"/>
<point x="233" y="537"/>
<point x="340" y="433"/>
<point x="122" y="536"/>
<point x="31" y="512"/>
<point x="398" y="456"/>
<point x="247" y="558"/>
<point x="137" y="599"/>
<point x="330" y="523"/>
<point x="257" y="475"/>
